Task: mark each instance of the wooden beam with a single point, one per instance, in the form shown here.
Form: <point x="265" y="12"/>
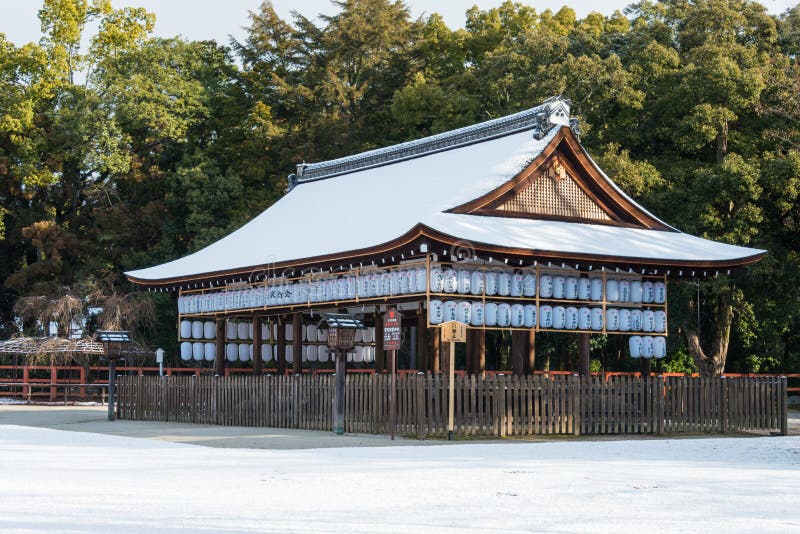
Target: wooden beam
<point x="530" y="351"/>
<point x="423" y="356"/>
<point x="518" y="342"/>
<point x="258" y="363"/>
<point x="583" y="354"/>
<point x="280" y="350"/>
<point x="297" y="343"/>
<point x="219" y="339"/>
<point x="436" y="352"/>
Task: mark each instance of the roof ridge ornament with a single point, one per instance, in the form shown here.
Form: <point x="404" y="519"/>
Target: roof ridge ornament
<point x="553" y="112"/>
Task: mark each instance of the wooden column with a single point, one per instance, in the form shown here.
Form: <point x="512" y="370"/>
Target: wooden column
<point x="470" y="363"/>
<point x="480" y="351"/>
<point x="518" y="342"/>
<point x="258" y="364"/>
<point x="280" y="350"/>
<point x="423" y="356"/>
<point x="219" y="360"/>
<point x="297" y="343"/>
<point x="436" y="352"/>
<point x="583" y="354"/>
<point x="380" y="354"/>
<point x="530" y="351"/>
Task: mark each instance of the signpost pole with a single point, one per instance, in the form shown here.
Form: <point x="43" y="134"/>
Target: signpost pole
<point x="391" y="342"/>
<point x="393" y="393"/>
<point x="451" y="392"/>
<point x="341" y="371"/>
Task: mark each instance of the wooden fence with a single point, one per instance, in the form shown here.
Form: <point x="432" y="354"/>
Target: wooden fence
<point x="496" y="405"/>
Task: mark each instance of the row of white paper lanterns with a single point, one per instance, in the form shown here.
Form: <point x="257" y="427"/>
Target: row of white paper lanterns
<point x="401" y="282"/>
<point x="647" y="347"/>
<point x="558" y="317"/>
<point x="244" y="330"/>
<point x="243" y="352"/>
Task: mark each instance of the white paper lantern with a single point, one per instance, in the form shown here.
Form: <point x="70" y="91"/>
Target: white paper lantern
<point x="436" y="312"/>
<point x="450" y="310"/>
<point x="463" y="281"/>
<point x="648" y="292"/>
<point x="612" y="290"/>
<point x="322" y="334"/>
<point x="406" y="278"/>
<point x="266" y="352"/>
<point x="450" y="281"/>
<point x="624" y="291"/>
<point x="647" y="347"/>
<point x="660" y="319"/>
<point x="244" y="352"/>
<point x="369" y="334"/>
<point x="395" y="287"/>
<point x="545" y="314"/>
<point x="186" y="350"/>
<point x="209" y="330"/>
<point x="635" y="346"/>
<point x="660" y="292"/>
<point x="186" y="329"/>
<point x="559" y="287"/>
<point x="636" y="320"/>
<point x="503" y="314"/>
<point x="491" y="283"/>
<point x="546" y="286"/>
<point x="386" y="284"/>
<point x="242" y="330"/>
<point x="476" y="283"/>
<point x="517" y="315"/>
<point x="197" y="329"/>
<point x="571" y="318"/>
<point x="529" y="284"/>
<point x="232" y="352"/>
<point x="584" y="288"/>
<point x="289" y="353"/>
<point x="421" y="277"/>
<point x="596" y="291"/>
<point x="210" y="352"/>
<point x="559" y="317"/>
<point x="362" y="286"/>
<point x="584" y="318"/>
<point x="358" y="355"/>
<point x="311" y="353"/>
<point x="612" y="319"/>
<point x="437" y="280"/>
<point x="530" y="316"/>
<point x="369" y="354"/>
<point x="503" y="284"/>
<point x="624" y="320"/>
<point x="477" y="314"/>
<point x="289" y="331"/>
<point x="323" y="354"/>
<point x="359" y="336"/>
<point x="490" y="314"/>
<point x="571" y="289"/>
<point x="231" y="330"/>
<point x="597" y="319"/>
<point x="648" y="321"/>
<point x="659" y="347"/>
<point x="516" y="285"/>
<point x="463" y="312"/>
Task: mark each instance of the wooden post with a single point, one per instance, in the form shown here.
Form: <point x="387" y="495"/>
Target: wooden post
<point x="338" y="404"/>
<point x="422" y="341"/>
<point x="436" y="352"/>
<point x="530" y="351"/>
<point x="645" y="366"/>
<point x="583" y="354"/>
<point x="471" y="357"/>
<point x="258" y="363"/>
<point x="219" y="360"/>
<point x="380" y="354"/>
<point x="393" y="392"/>
<point x="784" y="406"/>
<point x="479" y="340"/>
<point x="280" y="351"/>
<point x="518" y="342"/>
<point x="451" y="399"/>
<point x="297" y="343"/>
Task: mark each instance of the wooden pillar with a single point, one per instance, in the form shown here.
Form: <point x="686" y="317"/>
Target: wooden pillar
<point x="470" y="362"/>
<point x="530" y="351"/>
<point x="423" y="357"/>
<point x="583" y="354"/>
<point x="258" y="363"/>
<point x="297" y="343"/>
<point x="436" y="352"/>
<point x="380" y="354"/>
<point x="518" y="342"/>
<point x="479" y="340"/>
<point x="280" y="350"/>
<point x="646" y="366"/>
<point x="219" y="339"/>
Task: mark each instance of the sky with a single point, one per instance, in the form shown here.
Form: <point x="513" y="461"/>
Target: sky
<point x="219" y="19"/>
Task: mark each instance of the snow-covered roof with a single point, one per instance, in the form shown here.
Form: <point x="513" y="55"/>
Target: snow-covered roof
<point x="371" y="203"/>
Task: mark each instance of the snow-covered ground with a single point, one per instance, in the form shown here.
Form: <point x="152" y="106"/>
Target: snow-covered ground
<point x="59" y="481"/>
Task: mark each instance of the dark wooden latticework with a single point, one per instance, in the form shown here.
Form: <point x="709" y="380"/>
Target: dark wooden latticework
<point x="553" y="192"/>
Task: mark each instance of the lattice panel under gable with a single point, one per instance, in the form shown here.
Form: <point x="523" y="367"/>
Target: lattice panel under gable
<point x="553" y="192"/>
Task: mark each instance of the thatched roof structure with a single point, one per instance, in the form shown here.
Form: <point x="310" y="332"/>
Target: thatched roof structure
<point x="40" y="346"/>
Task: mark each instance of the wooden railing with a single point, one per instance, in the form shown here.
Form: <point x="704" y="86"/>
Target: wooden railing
<point x="497" y="405"/>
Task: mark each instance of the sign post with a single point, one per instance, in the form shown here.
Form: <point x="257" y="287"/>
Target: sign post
<point x="452" y="331"/>
<point x="391" y="342"/>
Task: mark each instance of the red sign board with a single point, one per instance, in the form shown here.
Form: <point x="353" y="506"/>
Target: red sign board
<point x="391" y="329"/>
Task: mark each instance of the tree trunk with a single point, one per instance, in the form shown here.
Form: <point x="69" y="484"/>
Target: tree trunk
<point x="712" y="363"/>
